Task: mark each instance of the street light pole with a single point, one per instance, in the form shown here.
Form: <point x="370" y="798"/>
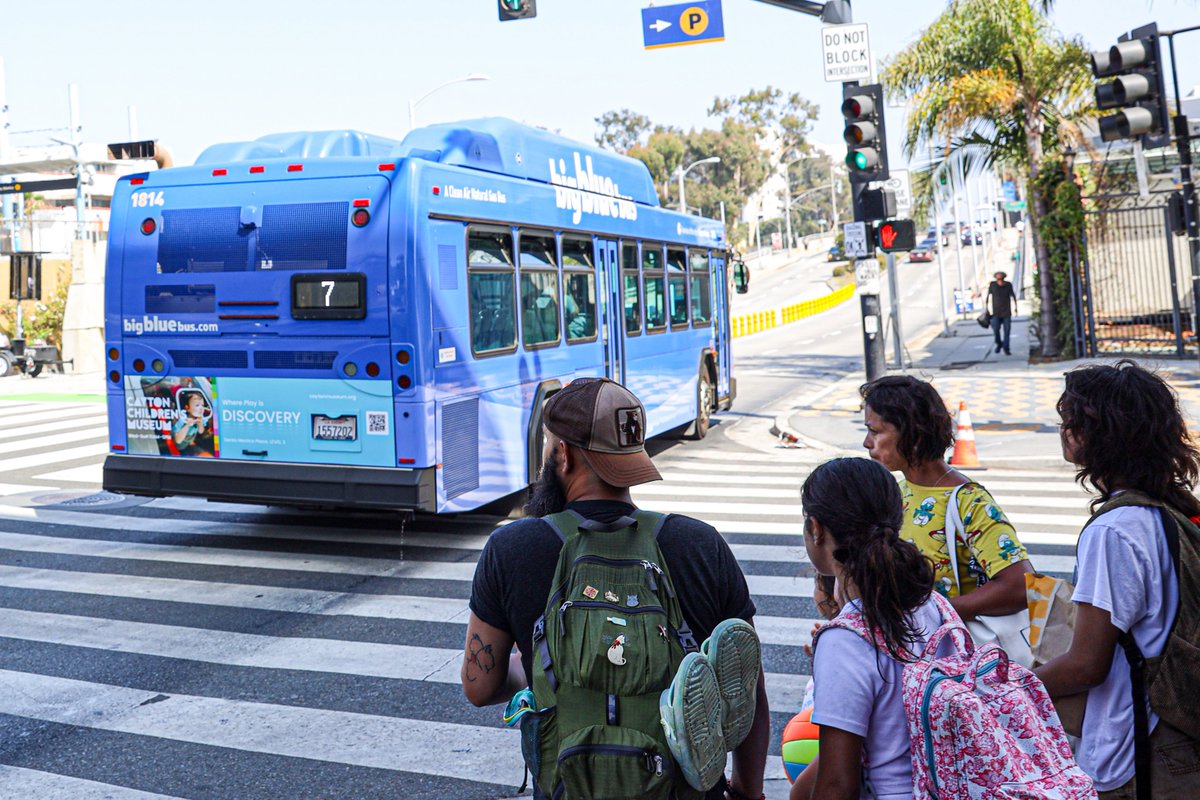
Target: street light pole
<point x="412" y="104"/>
<point x="684" y="171"/>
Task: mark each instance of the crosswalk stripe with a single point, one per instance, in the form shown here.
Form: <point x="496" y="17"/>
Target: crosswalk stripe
<point x="90" y="423"/>
<point x="14" y="417"/>
<point x="416" y="608"/>
<point x="19" y="782"/>
<point x="89" y="473"/>
<point x="418" y="746"/>
<point x="71" y="437"/>
<point x="722" y="481"/>
<point x="772" y="629"/>
<point x="668" y="490"/>
<point x="371" y="659"/>
<point x="53" y="457"/>
<point x="8" y="489"/>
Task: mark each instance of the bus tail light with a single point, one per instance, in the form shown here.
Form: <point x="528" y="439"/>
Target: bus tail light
<point x="404" y="382"/>
<point x="113" y="354"/>
<point x="360" y="217"/>
<point x="149" y="226"/>
<point x="372" y="370"/>
<point x="139" y="365"/>
<point x="114" y="376"/>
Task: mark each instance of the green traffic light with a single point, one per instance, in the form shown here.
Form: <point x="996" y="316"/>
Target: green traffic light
<point x="857" y="160"/>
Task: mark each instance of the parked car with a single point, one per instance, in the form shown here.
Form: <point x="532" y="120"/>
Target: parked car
<point x="920" y="254"/>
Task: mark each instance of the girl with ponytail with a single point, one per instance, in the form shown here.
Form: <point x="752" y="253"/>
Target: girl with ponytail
<point x="852" y="521"/>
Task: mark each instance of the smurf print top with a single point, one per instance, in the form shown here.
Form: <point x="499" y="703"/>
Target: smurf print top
<point x="991" y="541"/>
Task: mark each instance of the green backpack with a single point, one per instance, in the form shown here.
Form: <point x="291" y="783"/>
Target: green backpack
<point x="610" y="641"/>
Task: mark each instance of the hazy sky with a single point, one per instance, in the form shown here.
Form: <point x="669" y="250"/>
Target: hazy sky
<point x="223" y="71"/>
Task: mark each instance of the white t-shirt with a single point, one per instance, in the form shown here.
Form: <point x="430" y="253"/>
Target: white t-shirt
<point x="1122" y="559"/>
<point x="858" y="691"/>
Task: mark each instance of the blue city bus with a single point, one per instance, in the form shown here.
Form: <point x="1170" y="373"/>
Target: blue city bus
<point x="336" y="319"/>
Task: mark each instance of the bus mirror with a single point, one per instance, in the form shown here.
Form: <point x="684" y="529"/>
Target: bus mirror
<point x="741" y="277"/>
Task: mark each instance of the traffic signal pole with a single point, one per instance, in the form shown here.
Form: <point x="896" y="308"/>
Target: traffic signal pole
<point x="1191" y="217"/>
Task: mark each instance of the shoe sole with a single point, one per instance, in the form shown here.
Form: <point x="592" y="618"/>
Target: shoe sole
<point x="691" y="712"/>
<point x="736" y="655"/>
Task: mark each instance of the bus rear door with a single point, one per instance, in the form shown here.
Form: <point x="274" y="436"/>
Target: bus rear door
<point x="611" y="320"/>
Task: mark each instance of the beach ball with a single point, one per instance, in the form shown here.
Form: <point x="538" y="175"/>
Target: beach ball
<point x="800" y="742"/>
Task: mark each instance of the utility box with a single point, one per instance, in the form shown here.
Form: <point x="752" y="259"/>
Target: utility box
<point x="25" y="276"/>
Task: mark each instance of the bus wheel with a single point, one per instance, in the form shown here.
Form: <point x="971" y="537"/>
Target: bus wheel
<point x="8" y="363"/>
<point x="704" y="405"/>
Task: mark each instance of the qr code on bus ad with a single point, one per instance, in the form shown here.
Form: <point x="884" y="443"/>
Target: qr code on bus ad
<point x="377" y="423"/>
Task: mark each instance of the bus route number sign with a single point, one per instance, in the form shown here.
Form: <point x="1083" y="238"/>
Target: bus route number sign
<point x="335" y="429"/>
<point x="323" y="296"/>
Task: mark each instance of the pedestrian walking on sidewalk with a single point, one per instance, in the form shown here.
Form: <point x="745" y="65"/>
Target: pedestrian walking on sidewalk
<point x="1002" y="303"/>
<point x="594" y="451"/>
<point x="852" y="521"/>
<point x="1122" y="427"/>
<point x="909" y="431"/>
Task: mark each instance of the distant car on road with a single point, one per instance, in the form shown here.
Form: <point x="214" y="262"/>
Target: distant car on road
<point x="836" y="254"/>
<point x="928" y="243"/>
<point x="970" y="237"/>
<point x="920" y="254"/>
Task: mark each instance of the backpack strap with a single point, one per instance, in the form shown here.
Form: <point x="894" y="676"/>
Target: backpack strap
<point x="1133" y="653"/>
<point x="655" y="522"/>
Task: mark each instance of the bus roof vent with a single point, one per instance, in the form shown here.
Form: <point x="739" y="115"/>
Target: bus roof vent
<point x="301" y="145"/>
<point x="501" y="145"/>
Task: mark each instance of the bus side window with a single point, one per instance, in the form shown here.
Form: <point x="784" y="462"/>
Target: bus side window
<point x="654" y="288"/>
<point x="490" y="283"/>
<point x="629" y="282"/>
<point x="701" y="286"/>
<point x="539" y="290"/>
<point x="579" y="289"/>
<point x="677" y="288"/>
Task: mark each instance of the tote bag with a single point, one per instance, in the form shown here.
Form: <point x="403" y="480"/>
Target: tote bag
<point x="1010" y="631"/>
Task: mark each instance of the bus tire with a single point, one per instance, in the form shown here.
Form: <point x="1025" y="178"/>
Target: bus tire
<point x="8" y="363"/>
<point x="705" y="394"/>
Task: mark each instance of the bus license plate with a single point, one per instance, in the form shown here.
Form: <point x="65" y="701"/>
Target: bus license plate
<point x="335" y="429"/>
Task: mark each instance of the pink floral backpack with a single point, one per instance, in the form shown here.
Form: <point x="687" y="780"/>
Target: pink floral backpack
<point x="981" y="727"/>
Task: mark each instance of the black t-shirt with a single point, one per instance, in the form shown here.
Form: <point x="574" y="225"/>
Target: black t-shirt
<point x="513" y="576"/>
<point x="1002" y="298"/>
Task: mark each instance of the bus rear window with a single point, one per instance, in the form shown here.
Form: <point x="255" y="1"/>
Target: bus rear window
<point x="291" y="236"/>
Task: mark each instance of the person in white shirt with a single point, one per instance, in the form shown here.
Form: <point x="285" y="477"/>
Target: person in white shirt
<point x="1121" y="426"/>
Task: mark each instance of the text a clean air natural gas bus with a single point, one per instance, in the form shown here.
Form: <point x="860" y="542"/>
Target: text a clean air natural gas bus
<point x="335" y="319"/>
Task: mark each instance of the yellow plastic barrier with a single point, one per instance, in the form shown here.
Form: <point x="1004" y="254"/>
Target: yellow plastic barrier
<point x="747" y="324"/>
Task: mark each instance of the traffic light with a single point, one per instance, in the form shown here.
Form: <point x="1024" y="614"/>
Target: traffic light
<point x="896" y="235"/>
<point x="517" y="9"/>
<point x="1137" y="89"/>
<point x="866" y="158"/>
<point x="878" y="203"/>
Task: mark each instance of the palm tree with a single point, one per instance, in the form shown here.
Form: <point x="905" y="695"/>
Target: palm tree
<point x="993" y="80"/>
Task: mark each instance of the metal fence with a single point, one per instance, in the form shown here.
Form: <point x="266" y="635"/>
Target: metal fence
<point x="1132" y="292"/>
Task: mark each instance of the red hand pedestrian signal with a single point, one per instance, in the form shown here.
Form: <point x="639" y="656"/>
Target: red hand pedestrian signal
<point x="896" y="235"/>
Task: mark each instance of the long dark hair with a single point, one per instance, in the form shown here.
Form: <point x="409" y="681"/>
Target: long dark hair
<point x="858" y="502"/>
<point x="1129" y="434"/>
<point x="924" y="424"/>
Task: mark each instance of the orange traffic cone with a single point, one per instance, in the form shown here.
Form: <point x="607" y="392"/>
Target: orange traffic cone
<point x="964" y="454"/>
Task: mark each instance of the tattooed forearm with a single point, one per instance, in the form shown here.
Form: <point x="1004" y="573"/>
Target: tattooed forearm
<point x="479" y="655"/>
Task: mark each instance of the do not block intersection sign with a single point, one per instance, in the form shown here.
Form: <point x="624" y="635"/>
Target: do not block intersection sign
<point x="846" y="52"/>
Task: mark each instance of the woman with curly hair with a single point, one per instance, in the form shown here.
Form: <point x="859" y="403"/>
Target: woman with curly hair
<point x="1121" y="426"/>
<point x="909" y="431"/>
